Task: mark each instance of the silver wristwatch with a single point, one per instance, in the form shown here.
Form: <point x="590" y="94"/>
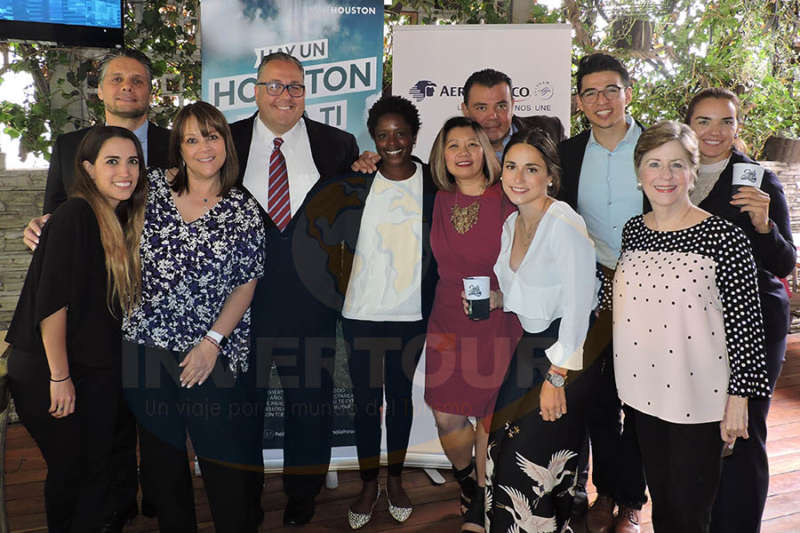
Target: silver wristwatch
<point x="556" y="380"/>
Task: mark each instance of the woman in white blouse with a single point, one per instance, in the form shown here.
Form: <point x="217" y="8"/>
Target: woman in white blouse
<point x="546" y="270"/>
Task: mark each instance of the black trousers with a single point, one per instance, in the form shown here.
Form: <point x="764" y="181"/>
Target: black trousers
<point x="616" y="460"/>
<point x="77" y="448"/>
<point x="305" y="364"/>
<point x="124" y="471"/>
<point x="682" y="463"/>
<point x="220" y="422"/>
<point x="745" y="474"/>
<point x="382" y="355"/>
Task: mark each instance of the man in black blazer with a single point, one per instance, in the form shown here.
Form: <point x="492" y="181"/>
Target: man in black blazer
<point x="125" y="87"/>
<point x="291" y="326"/>
<point x="599" y="181"/>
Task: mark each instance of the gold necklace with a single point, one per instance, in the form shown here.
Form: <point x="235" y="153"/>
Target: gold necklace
<point x="463" y="218"/>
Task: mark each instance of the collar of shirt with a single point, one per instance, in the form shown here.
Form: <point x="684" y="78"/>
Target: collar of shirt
<point x="296" y="150"/>
<point x="631" y="136"/>
<point x="141" y="134"/>
<point x="511" y="131"/>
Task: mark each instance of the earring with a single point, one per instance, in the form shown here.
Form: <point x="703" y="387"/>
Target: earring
<point x="638" y="185"/>
<point x="550" y="184"/>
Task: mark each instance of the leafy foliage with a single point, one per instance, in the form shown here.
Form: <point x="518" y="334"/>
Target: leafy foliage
<point x="673" y="48"/>
<point x="165" y="30"/>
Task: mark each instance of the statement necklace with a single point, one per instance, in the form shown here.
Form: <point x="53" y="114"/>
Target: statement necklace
<point x="463" y="218"/>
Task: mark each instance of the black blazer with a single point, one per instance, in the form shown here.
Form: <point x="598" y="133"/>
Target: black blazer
<point x="571" y="154"/>
<point x="62" y="162"/>
<point x="333" y="217"/>
<point x="774" y="252"/>
<point x="284" y="304"/>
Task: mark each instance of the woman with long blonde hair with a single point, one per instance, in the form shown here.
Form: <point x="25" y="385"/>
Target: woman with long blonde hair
<point x="64" y="362"/>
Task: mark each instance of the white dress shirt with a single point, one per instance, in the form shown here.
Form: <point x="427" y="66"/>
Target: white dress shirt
<point x="555" y="279"/>
<point x="296" y="148"/>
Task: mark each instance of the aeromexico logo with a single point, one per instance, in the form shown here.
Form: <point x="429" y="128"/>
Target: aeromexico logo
<point x="422" y="89"/>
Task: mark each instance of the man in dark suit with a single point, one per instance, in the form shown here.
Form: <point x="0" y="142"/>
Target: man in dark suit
<point x="282" y="154"/>
<point x="489" y="102"/>
<point x="599" y="181"/>
<point x="125" y="88"/>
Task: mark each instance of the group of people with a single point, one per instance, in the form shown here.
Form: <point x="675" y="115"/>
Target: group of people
<point x="634" y="295"/>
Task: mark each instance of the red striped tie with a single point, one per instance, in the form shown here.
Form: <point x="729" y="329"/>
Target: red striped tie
<point x="278" y="206"/>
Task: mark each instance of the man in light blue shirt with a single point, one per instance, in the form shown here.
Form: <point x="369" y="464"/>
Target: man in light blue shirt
<point x="599" y="181"/>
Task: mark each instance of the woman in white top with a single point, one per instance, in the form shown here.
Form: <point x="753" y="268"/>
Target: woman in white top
<point x="546" y="271"/>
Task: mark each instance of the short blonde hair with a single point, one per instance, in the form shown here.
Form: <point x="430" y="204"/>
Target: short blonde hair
<point x="441" y="176"/>
<point x="662" y="133"/>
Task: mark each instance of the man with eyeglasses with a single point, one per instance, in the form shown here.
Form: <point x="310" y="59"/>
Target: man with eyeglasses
<point x="599" y="181"/>
<point x="282" y="154"/>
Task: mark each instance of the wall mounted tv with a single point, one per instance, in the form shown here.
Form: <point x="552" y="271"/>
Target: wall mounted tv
<point x="95" y="23"/>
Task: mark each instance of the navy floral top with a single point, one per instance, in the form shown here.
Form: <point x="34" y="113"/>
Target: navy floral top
<point x="190" y="269"/>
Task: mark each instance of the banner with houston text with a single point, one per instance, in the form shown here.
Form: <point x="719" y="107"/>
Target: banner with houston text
<point x="431" y="63"/>
<point x="340" y="44"/>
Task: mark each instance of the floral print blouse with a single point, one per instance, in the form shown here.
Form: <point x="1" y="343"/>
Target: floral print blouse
<point x="190" y="269"/>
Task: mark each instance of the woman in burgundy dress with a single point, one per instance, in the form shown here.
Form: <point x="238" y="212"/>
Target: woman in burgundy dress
<point x="466" y="360"/>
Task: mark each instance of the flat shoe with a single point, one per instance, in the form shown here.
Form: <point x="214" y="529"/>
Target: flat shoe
<point x="359" y="520"/>
<point x="400" y="514"/>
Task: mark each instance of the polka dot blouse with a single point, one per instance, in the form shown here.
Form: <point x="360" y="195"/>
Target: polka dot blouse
<point x="687" y="322"/>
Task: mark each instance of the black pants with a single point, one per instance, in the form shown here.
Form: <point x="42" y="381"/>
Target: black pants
<point x="382" y="353"/>
<point x="682" y="463"/>
<point x="124" y="471"/>
<point x="77" y="448"/>
<point x="305" y="365"/>
<point x="745" y="474"/>
<point x="220" y="422"/>
<point x="520" y="437"/>
<point x="616" y="460"/>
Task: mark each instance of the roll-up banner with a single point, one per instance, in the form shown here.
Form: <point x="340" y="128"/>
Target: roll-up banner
<point x="431" y="63"/>
<point x="340" y="44"/>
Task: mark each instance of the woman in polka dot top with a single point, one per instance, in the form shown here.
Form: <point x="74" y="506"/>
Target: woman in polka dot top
<point x="688" y="333"/>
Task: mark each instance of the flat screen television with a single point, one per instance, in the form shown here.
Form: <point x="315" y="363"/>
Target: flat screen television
<point x="96" y="23"/>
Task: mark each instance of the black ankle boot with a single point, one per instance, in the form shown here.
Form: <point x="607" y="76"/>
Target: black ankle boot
<point x="468" y="486"/>
<point x="475" y="517"/>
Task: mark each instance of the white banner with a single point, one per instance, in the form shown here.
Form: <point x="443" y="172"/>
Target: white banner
<point x="431" y="63"/>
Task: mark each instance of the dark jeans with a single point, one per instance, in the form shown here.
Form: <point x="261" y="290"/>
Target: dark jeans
<point x="682" y="463"/>
<point x="77" y="448"/>
<point x="220" y="421"/>
<point x="382" y="354"/>
<point x="745" y="474"/>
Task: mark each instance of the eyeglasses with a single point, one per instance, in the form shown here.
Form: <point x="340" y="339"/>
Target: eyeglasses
<point x="610" y="92"/>
<point x="276" y="88"/>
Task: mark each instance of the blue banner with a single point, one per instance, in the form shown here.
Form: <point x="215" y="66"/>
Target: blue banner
<point x="339" y="43"/>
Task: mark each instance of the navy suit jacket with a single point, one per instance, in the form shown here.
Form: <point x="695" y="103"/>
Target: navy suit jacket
<point x="61" y="174"/>
<point x="571" y="154"/>
<point x="285" y="305"/>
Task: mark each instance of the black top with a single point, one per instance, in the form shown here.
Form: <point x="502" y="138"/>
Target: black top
<point x="774" y="252"/>
<point x="68" y="270"/>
